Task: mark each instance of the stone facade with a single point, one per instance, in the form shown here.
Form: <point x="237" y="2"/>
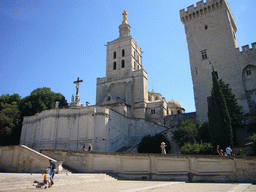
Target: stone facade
<point x="211" y="36"/>
<point x="70" y="129"/>
<point x="124" y="113"/>
<point x="125" y="87"/>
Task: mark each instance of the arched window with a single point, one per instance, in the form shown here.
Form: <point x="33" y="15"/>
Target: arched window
<point x="123" y="63"/>
<point x="123" y="53"/>
<point x="114" y="54"/>
<point x="114" y="66"/>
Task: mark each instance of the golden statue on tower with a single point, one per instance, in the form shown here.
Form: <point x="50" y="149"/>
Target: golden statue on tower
<point x="124" y="17"/>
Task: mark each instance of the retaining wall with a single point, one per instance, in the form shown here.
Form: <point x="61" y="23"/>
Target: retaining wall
<point x="191" y="168"/>
<point x="22" y="159"/>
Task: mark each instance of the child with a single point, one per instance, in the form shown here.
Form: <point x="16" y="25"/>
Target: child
<point x="46" y="179"/>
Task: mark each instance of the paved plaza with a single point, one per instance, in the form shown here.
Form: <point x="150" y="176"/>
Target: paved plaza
<point x="102" y="182"/>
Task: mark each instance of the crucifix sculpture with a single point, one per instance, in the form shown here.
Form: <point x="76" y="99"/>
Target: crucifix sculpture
<point x="77" y="85"/>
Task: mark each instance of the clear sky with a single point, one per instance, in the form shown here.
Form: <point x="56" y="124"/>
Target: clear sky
<point x="49" y="43"/>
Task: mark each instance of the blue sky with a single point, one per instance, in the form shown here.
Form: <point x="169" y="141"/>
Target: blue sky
<point x="50" y="43"/>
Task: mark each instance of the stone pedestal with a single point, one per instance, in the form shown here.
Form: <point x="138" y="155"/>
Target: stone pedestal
<point x="76" y="103"/>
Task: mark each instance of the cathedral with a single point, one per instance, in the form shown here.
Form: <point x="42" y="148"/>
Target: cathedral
<point x="211" y="36"/>
<point x="125" y="87"/>
<point x="124" y="113"/>
<point x="126" y="110"/>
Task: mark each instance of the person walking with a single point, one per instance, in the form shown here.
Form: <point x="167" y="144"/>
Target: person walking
<point x="53" y="170"/>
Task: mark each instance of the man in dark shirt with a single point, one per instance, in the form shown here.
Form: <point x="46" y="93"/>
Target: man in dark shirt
<point x="53" y="170"/>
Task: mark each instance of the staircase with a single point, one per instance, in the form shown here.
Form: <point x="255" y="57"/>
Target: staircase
<point x="18" y="181"/>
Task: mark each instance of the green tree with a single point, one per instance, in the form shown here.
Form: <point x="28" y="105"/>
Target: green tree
<point x="9" y="118"/>
<point x="218" y="114"/>
<point x="187" y="132"/>
<point x="152" y="144"/>
<point x="235" y="110"/>
<point x="41" y="99"/>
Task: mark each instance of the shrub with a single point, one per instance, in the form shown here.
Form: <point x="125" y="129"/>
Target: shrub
<point x="196" y="148"/>
<point x="253" y="139"/>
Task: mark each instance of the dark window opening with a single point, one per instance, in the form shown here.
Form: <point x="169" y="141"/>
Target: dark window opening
<point x="153" y="111"/>
<point x="114" y="66"/>
<point x="204" y="55"/>
<point x="123" y="53"/>
<point x="109" y="98"/>
<point x="248" y="72"/>
<point x="205" y="27"/>
<point x="114" y="55"/>
<point x="123" y="63"/>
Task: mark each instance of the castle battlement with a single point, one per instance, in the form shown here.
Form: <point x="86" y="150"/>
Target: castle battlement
<point x="203" y="9"/>
<point x="246" y="48"/>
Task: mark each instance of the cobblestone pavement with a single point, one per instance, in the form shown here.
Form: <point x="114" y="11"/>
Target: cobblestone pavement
<point x="105" y="183"/>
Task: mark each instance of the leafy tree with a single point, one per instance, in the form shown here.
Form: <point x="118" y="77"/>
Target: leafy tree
<point x="203" y="132"/>
<point x="218" y="114"/>
<point x="40" y="99"/>
<point x="9" y="118"/>
<point x="187" y="132"/>
<point x="152" y="144"/>
<point x="13" y="109"/>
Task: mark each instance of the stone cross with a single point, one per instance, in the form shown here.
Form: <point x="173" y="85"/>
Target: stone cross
<point x="77" y="85"/>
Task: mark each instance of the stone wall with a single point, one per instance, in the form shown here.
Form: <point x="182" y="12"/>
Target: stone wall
<point x="174" y="120"/>
<point x="21" y="159"/>
<point x="207" y="27"/>
<point x="70" y="129"/>
<point x="192" y="168"/>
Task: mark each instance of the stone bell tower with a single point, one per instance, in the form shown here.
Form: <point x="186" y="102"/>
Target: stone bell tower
<point x="125" y="86"/>
<point x="211" y="36"/>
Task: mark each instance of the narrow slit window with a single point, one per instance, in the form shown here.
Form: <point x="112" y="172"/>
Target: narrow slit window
<point x="114" y="55"/>
<point x="123" y="63"/>
<point x="123" y="53"/>
<point x="114" y="66"/>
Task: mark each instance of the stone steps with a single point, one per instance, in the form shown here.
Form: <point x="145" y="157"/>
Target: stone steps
<point x="16" y="181"/>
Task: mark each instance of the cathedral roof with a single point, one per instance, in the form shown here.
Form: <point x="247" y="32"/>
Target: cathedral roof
<point x="174" y="103"/>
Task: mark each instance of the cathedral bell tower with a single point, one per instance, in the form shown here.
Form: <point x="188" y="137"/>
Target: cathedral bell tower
<point x="125" y="83"/>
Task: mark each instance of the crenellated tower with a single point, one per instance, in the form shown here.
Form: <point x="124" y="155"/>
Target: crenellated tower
<point x="211" y="36"/>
